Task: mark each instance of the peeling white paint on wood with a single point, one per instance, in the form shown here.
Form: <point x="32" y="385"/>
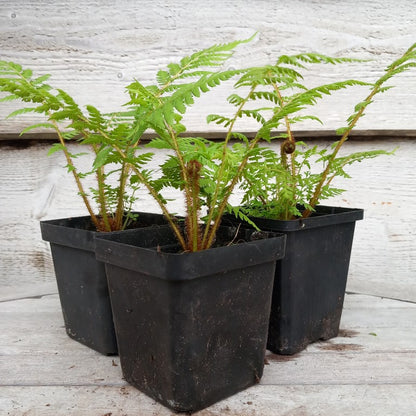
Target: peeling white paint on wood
<point x="94" y="49"/>
<point x="43" y="372"/>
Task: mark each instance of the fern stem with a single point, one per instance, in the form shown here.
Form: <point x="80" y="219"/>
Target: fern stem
<point x="75" y="174"/>
<point x="66" y="153"/>
<point x="289" y="142"/>
<point x="207" y="236"/>
<point x="213" y="230"/>
<point x="178" y="153"/>
<point x="120" y="208"/>
<point x="118" y="223"/>
<point x="152" y="192"/>
<point x="120" y="195"/>
<point x="101" y="195"/>
<point x="315" y="197"/>
<point x="289" y="134"/>
<point x="193" y="205"/>
<point x="102" y="199"/>
<point x="156" y="197"/>
<point x="191" y="210"/>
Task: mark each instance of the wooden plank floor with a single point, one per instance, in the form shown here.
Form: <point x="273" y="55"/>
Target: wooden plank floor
<point x="369" y="369"/>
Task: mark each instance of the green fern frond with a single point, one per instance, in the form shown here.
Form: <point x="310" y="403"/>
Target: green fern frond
<point x="218" y="119"/>
<point x="298" y="119"/>
<point x="313" y="58"/>
<point x="40" y="80"/>
<point x="159" y="143"/>
<point x="193" y="74"/>
<point x="38" y="125"/>
<point x="142" y="159"/>
<point x="69" y="135"/>
<point x="214" y="55"/>
<point x="254" y="114"/>
<point x="140" y="95"/>
<point x="62" y="115"/>
<point x="239" y="136"/>
<point x="67" y="99"/>
<point x="55" y="148"/>
<point x="96" y="120"/>
<point x="238" y="212"/>
<point x="7" y="98"/>
<point x="22" y="111"/>
<point x="191" y="66"/>
<point x="265" y="95"/>
<point x="235" y="99"/>
<point x="267" y="74"/>
<point x="10" y="68"/>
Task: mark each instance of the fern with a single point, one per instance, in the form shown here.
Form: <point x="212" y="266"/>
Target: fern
<point x="404" y="63"/>
<point x="63" y="115"/>
<point x="160" y="107"/>
<point x="283" y="186"/>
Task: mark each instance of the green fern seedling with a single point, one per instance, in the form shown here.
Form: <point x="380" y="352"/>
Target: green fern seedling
<point x="72" y="124"/>
<point x="284" y="185"/>
<point x="115" y="138"/>
<point x="161" y="107"/>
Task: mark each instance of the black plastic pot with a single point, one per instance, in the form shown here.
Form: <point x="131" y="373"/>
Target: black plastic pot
<point x="310" y="280"/>
<point x="191" y="327"/>
<point x="81" y="280"/>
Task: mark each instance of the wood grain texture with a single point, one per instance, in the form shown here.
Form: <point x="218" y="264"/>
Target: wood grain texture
<point x="382" y="400"/>
<point x="43" y="372"/>
<point x="94" y="49"/>
<point x="35" y="186"/>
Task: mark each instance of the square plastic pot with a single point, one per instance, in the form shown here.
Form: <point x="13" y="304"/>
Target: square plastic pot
<point x="81" y="280"/>
<point x="310" y="281"/>
<point x="191" y="327"/>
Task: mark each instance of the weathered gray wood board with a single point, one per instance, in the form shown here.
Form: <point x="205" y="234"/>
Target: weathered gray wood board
<point x="347" y="400"/>
<point x="94" y="49"/>
<point x="369" y="368"/>
<point x="35" y="187"/>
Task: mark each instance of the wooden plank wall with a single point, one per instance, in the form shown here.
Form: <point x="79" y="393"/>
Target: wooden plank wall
<point x="94" y="49"/>
<point x="35" y="187"/>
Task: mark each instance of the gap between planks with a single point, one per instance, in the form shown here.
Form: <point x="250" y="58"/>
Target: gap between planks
<point x="369" y="134"/>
